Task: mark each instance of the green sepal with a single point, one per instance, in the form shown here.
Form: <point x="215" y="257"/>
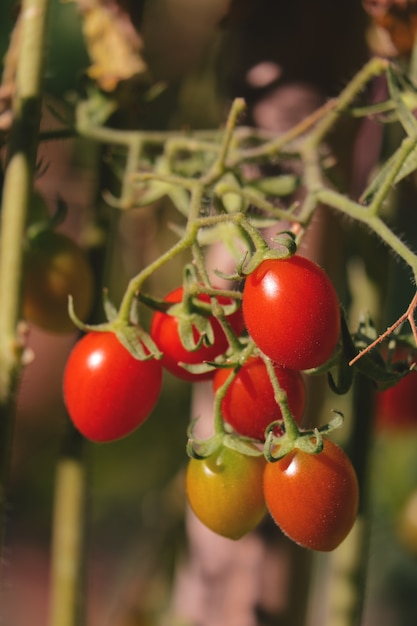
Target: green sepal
<point x="138" y="343"/>
<point x="201" y="448"/>
<point x="244" y="445"/>
<point x="309" y="441"/>
<point x="110" y="310"/>
<point x="198" y="368"/>
<point x="186" y="327"/>
<point x="287" y="248"/>
<point x="136" y="340"/>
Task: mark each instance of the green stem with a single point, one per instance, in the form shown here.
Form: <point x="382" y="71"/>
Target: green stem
<point x="291" y="429"/>
<point x="373" y="68"/>
<point x="407" y="146"/>
<point x="66" y="599"/>
<point x="135" y="284"/>
<point x="218" y="168"/>
<point x="219" y="428"/>
<point x="18" y="185"/>
<point x="18" y="180"/>
<point x="362" y="214"/>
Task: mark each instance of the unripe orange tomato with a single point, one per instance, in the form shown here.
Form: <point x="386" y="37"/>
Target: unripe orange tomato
<point x="225" y="491"/>
<point x="54" y="268"/>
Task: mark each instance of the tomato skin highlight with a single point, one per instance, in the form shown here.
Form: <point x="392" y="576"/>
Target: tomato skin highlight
<point x="249" y="405"/>
<point x="107" y="392"/>
<point x="225" y="491"/>
<point x="54" y="268"/>
<point x="313" y="498"/>
<point x="292" y="313"/>
<point x="164" y="332"/>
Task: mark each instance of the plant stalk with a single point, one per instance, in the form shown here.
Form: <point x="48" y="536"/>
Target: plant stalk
<point x="18" y="185"/>
<point x="66" y="599"/>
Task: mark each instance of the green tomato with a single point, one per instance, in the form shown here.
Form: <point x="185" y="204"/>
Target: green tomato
<point x="225" y="491"/>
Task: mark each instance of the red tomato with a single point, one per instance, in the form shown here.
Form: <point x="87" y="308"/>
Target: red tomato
<point x="313" y="497"/>
<point x="292" y="313"/>
<point x="396" y="407"/>
<point x="164" y="332"/>
<point x="108" y="393"/>
<point x="225" y="491"/>
<point x="54" y="268"/>
<point x="249" y="405"/>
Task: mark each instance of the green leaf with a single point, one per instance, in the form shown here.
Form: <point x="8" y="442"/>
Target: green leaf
<point x="244" y="445"/>
<point x="405" y="116"/>
<point x="109" y="308"/>
<point x="407" y="168"/>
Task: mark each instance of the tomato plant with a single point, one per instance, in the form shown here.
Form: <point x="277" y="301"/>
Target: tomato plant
<point x="164" y="331"/>
<point x="313" y="497"/>
<point x="54" y="268"/>
<point x="249" y="405"/>
<point x="109" y="393"/>
<point x="291" y="311"/>
<point x="225" y="491"/>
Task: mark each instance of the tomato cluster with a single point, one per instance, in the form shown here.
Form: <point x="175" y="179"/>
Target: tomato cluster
<point x="291" y="313"/>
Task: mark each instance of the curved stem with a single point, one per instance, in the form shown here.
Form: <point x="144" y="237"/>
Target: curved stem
<point x="362" y="214"/>
<point x="221" y="392"/>
<point x="135" y="284"/>
<point x="291" y="429"/>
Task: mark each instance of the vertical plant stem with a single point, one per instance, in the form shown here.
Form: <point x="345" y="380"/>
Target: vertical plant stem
<point x="16" y="194"/>
<point x="66" y="599"/>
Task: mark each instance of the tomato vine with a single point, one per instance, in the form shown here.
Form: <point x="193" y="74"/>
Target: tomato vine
<point x="215" y="179"/>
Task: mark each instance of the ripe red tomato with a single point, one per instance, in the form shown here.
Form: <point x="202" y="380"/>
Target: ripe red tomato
<point x="291" y="311"/>
<point x="108" y="393"/>
<point x="249" y="405"/>
<point x="225" y="491"/>
<point x="313" y="497"/>
<point x="164" y="332"/>
<point x="54" y="268"/>
<point x="396" y="407"/>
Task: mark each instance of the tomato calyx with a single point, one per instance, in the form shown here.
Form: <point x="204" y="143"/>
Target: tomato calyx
<point x="309" y="441"/>
<point x="132" y="336"/>
<point x="203" y="448"/>
<point x="286" y="247"/>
